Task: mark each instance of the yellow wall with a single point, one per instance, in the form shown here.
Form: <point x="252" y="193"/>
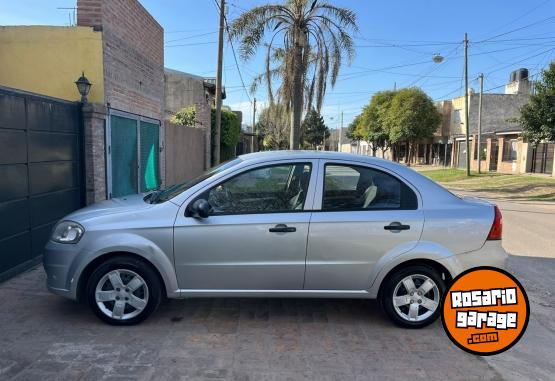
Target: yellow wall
<point x="48" y="60"/>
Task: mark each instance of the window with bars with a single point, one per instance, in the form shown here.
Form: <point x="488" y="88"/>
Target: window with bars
<point x="510" y="149"/>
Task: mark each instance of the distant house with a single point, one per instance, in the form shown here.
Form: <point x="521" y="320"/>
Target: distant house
<point x="503" y="148"/>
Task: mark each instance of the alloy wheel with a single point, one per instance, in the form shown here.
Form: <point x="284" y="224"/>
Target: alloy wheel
<point x="416" y="297"/>
<point x="121" y="294"/>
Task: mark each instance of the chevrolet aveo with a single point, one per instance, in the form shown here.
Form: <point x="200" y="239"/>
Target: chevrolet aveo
<point x="277" y="224"/>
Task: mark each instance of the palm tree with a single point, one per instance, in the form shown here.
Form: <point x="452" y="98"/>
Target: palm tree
<point x="315" y="39"/>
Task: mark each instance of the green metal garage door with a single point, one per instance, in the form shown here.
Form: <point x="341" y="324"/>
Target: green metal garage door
<point x="134" y="159"/>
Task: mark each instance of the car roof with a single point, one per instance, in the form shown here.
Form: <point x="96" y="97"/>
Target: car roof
<point x="330" y="155"/>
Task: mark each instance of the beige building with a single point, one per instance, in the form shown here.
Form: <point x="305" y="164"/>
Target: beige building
<point x="503" y="148"/>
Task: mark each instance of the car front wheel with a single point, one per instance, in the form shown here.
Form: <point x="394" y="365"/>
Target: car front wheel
<point x="123" y="291"/>
<point x="412" y="296"/>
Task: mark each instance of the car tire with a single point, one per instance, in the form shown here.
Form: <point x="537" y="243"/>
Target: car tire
<point x="409" y="295"/>
<point x="123" y="290"/>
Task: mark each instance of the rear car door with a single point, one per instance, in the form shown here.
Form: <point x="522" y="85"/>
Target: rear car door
<point x="362" y="213"/>
<point x="255" y="236"/>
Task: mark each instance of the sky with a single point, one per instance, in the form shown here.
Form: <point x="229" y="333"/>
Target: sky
<point x="394" y="47"/>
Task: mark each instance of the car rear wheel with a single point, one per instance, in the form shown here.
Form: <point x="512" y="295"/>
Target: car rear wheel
<point x="412" y="296"/>
<point x="123" y="291"/>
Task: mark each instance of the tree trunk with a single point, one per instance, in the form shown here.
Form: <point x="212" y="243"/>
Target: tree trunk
<point x="297" y="106"/>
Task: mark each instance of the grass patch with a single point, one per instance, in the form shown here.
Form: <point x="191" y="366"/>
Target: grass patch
<point x="524" y="187"/>
<point x="454" y="174"/>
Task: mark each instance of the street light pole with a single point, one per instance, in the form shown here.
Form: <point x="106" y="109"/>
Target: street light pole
<point x="254" y="135"/>
<point x="480" y="122"/>
<point x="340" y="133"/>
<point x="219" y="85"/>
<point x="466" y="121"/>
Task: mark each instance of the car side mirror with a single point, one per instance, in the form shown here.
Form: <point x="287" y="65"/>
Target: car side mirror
<point x="200" y="209"/>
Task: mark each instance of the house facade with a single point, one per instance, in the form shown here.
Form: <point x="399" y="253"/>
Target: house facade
<point x="119" y="47"/>
<point x="59" y="154"/>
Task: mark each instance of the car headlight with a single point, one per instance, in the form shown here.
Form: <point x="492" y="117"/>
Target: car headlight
<point x="67" y="232"/>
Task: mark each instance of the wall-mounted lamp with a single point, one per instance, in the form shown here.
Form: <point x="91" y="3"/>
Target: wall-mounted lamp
<point x="83" y="86"/>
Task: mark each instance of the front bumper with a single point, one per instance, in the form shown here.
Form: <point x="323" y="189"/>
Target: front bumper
<point x="58" y="262"/>
<point x="491" y="254"/>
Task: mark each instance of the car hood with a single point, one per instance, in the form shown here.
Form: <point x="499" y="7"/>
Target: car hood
<point x="132" y="203"/>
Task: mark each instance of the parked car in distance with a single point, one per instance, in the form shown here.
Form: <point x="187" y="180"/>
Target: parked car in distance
<point x="277" y="224"/>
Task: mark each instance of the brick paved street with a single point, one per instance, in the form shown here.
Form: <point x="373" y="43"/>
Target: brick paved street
<point x="45" y="337"/>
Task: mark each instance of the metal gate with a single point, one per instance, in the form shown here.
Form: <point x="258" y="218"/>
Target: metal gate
<point x="40" y="170"/>
<point x="542" y="158"/>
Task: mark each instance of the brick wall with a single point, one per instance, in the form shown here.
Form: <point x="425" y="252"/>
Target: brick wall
<point x="133" y="65"/>
<point x="133" y="44"/>
<point x="94" y="121"/>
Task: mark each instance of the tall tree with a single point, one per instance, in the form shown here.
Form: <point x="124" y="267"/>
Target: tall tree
<point x="314" y="130"/>
<point x="314" y="37"/>
<point x="372" y="121"/>
<point x="412" y="115"/>
<point x="537" y="117"/>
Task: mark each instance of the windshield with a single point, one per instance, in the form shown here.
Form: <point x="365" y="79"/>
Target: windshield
<point x="174" y="190"/>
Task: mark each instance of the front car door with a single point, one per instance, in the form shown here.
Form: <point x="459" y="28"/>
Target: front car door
<point x="255" y="237"/>
<point x="364" y="213"/>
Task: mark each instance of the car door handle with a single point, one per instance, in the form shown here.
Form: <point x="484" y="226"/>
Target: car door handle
<point x="396" y="226"/>
<point x="282" y="228"/>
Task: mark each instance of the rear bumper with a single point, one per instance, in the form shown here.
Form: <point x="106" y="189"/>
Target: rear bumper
<point x="491" y="254"/>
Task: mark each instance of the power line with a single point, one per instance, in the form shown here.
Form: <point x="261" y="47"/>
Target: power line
<point x="191" y="44"/>
<point x="522" y="60"/>
<point x="189" y="37"/>
<point x="519" y="17"/>
<point x="517" y="29"/>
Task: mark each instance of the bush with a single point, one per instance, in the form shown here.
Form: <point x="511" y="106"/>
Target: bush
<point x="185" y="117"/>
<point x="229" y="133"/>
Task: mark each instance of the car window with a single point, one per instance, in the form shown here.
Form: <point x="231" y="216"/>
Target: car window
<point x="272" y="189"/>
<point x="352" y="187"/>
<point x="174" y="190"/>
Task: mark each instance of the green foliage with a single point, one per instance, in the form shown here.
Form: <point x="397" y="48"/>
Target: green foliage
<point x="273" y="123"/>
<point x="537" y="118"/>
<point x="372" y="124"/>
<point x="314" y="129"/>
<point x="229" y="133"/>
<point x="314" y="40"/>
<point x="411" y="115"/>
<point x="185" y="117"/>
<point x="353" y="130"/>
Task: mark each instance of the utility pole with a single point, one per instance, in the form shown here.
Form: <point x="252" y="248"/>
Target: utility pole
<point x="219" y="85"/>
<point x="254" y="134"/>
<point x="340" y="133"/>
<point x="466" y="121"/>
<point x="480" y="122"/>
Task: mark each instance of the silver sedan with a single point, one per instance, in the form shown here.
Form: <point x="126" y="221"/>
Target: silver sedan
<point x="277" y="224"/>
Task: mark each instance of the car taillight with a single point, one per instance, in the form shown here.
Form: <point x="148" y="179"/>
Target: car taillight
<point x="496" y="230"/>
